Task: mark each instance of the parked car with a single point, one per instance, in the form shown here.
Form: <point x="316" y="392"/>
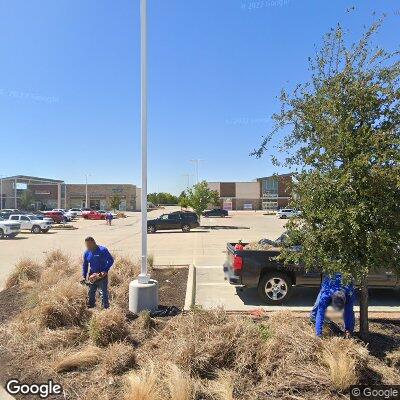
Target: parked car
<point x="43" y="218"/>
<point x="8" y="228"/>
<point x="6" y="212"/>
<point x="11" y="210"/>
<point x="94" y="215"/>
<point x="216" y="212"/>
<point x="86" y="211"/>
<point x="77" y="211"/>
<point x="288" y="213"/>
<point x="70" y="215"/>
<point x="274" y="280"/>
<point x="56" y="216"/>
<point x="107" y="212"/>
<point x="31" y="223"/>
<point x="177" y="220"/>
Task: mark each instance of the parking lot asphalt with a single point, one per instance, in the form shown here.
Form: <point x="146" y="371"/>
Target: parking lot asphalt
<point x="203" y="246"/>
<point x="213" y="291"/>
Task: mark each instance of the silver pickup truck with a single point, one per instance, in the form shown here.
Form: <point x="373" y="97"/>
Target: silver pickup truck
<point x="8" y="228"/>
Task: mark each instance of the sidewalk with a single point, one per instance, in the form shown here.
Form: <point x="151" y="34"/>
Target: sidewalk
<point x="211" y="291"/>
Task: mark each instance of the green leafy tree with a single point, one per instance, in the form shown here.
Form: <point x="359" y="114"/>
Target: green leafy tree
<point x="200" y="197"/>
<point x="162" y="198"/>
<point x="182" y="195"/>
<point x="115" y="202"/>
<point x="342" y="131"/>
<point x="184" y="202"/>
<point x="27" y="200"/>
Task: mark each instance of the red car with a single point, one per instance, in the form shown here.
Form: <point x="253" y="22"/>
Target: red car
<point x="94" y="215"/>
<point x="56" y="216"/>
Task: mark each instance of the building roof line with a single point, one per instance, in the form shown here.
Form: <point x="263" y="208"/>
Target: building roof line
<point x="31" y="178"/>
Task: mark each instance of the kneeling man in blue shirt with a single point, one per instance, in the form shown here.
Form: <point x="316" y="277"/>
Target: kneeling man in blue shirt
<point x="97" y="261"/>
<point x="341" y="297"/>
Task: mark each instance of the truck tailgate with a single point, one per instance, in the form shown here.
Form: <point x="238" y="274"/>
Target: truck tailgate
<point x="231" y="275"/>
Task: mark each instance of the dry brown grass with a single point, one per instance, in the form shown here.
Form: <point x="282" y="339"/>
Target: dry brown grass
<point x="342" y="369"/>
<point x="61" y="338"/>
<point x="119" y="357"/>
<point x="345" y="361"/>
<point x="108" y="326"/>
<point x="79" y="360"/>
<point x="200" y="355"/>
<point x="63" y="305"/>
<point x="394" y="358"/>
<point x="143" y="385"/>
<point x="25" y="271"/>
<point x="179" y="383"/>
<point x="56" y="258"/>
<point x="120" y="275"/>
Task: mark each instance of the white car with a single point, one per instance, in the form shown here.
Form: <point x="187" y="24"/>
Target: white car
<point x="43" y="218"/>
<point x="31" y="223"/>
<point x="69" y="214"/>
<point x="8" y="228"/>
<point x="76" y="211"/>
<point x="114" y="215"/>
<point x="288" y="213"/>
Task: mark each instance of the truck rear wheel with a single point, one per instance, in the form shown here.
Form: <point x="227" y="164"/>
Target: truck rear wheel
<point x="274" y="288"/>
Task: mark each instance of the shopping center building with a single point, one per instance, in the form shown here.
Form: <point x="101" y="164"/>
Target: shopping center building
<point x="268" y="193"/>
<point x="46" y="194"/>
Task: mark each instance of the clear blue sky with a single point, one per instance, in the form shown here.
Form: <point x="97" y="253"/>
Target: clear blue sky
<point x="69" y="82"/>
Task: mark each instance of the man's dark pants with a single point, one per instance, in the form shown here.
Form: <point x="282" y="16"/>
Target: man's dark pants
<point x="102" y="286"/>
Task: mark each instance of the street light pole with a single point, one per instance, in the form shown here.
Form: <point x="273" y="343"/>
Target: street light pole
<point x="86" y="192"/>
<point x="196" y="163"/>
<point x="187" y="176"/>
<point x="143" y="291"/>
<point x="1" y="192"/>
<point x="143" y="277"/>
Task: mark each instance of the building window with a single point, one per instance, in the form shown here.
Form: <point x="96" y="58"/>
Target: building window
<point x="270" y="205"/>
<point x="270" y="187"/>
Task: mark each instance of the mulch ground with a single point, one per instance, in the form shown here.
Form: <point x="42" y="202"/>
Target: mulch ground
<point x="172" y="285"/>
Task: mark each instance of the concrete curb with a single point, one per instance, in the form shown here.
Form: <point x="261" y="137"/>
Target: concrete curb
<point x="190" y="288"/>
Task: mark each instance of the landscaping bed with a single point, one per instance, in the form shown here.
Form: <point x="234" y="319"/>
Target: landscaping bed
<point x="67" y="227"/>
<point x="210" y="355"/>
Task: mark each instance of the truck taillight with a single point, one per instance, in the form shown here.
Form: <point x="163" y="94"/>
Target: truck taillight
<point x="237" y="263"/>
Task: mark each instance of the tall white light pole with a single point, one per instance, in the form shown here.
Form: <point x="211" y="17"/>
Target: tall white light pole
<point x="1" y="192"/>
<point x="86" y="191"/>
<point x="196" y="163"/>
<point x="143" y="277"/>
<point x="143" y="292"/>
<point x="187" y="176"/>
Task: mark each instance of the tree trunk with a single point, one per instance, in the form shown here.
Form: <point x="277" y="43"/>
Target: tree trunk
<point x="364" y="325"/>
